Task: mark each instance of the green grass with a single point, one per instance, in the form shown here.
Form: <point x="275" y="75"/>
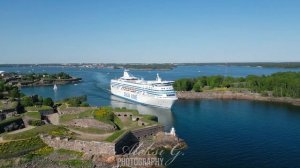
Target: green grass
<point x="9" y="120"/>
<point x="33" y="115"/>
<point x="7" y="163"/>
<point x="118" y="122"/>
<point x="9" y="105"/>
<point x="45" y="129"/>
<point x="21" y="147"/>
<point x="70" y="153"/>
<point x="77" y="163"/>
<point x="150" y="119"/>
<point x="38" y="108"/>
<point x="86" y="114"/>
<point x="115" y="135"/>
<point x="134" y="112"/>
<point x="45" y="151"/>
<point x="69" y="117"/>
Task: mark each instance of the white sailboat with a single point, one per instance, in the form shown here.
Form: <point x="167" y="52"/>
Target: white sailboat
<point x="54" y="87"/>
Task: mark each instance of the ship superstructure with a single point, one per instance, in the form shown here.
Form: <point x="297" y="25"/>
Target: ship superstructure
<point x="151" y="92"/>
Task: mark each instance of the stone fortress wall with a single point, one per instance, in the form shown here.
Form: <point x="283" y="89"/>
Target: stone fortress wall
<point x="103" y="148"/>
<point x="90" y="147"/>
<point x="147" y="131"/>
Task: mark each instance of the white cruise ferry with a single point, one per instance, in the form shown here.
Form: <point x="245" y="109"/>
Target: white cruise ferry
<point x="156" y="93"/>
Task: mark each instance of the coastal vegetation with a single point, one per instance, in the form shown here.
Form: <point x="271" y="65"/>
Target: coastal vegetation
<point x="281" y="84"/>
<point x="45" y="129"/>
<point x="7" y="90"/>
<point x="76" y="101"/>
<point x="44" y="76"/>
<point x="36" y="100"/>
<point x="13" y="79"/>
<point x="20" y="147"/>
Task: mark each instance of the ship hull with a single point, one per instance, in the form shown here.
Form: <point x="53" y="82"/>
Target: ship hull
<point x="144" y="99"/>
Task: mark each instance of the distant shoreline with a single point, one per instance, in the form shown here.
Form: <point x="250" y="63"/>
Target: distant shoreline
<point x="159" y="66"/>
<point x="230" y="95"/>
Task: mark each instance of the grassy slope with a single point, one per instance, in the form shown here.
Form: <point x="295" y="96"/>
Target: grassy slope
<point x="37" y="108"/>
<point x="33" y="115"/>
<point x="45" y="129"/>
<point x="17" y="148"/>
<point x="115" y="135"/>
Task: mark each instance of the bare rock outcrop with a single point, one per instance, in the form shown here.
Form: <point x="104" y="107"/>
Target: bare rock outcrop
<point x="235" y="95"/>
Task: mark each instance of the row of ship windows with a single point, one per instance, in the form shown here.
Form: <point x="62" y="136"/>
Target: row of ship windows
<point x="143" y="89"/>
<point x="148" y="92"/>
<point x="120" y="84"/>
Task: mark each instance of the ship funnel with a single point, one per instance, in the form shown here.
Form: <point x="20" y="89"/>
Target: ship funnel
<point x="126" y="74"/>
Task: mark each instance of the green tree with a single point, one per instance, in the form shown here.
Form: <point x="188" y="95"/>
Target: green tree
<point x="183" y="85"/>
<point x="14" y="93"/>
<point x="84" y="104"/>
<point x="197" y="86"/>
<point x="26" y="101"/>
<point x="2" y="85"/>
<point x="48" y="102"/>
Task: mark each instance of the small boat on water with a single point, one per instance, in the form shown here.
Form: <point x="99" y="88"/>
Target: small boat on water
<point x="55" y="87"/>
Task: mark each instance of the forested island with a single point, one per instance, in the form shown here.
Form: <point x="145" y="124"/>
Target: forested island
<point x="278" y="87"/>
<point x="36" y="79"/>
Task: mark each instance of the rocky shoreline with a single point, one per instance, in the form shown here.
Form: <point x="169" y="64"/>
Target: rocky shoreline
<point x="231" y="95"/>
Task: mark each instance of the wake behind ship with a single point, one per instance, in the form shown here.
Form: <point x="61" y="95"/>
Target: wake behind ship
<point x="156" y="93"/>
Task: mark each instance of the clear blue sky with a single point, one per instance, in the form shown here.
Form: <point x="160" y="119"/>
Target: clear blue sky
<point x="122" y="31"/>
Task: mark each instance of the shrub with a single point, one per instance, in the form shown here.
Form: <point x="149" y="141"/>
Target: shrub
<point x="104" y="114"/>
<point x="84" y="104"/>
<point x="48" y="102"/>
<point x="36" y="122"/>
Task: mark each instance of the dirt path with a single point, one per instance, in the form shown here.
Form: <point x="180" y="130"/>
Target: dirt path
<point x="15" y="132"/>
<point x="21" y="130"/>
<point x="89" y="136"/>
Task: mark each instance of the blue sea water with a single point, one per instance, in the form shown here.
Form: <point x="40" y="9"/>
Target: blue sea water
<point x="219" y="133"/>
